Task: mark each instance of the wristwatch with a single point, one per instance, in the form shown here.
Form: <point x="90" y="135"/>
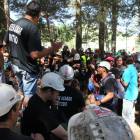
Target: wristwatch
<point x="100" y="101"/>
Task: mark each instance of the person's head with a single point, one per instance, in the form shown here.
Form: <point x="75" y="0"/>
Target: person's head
<point x="97" y="52"/>
<point x="75" y="84"/>
<point x="118" y="60"/>
<point x="66" y="72"/>
<point x="65" y="48"/>
<point x="7" y="75"/>
<point x="103" y="67"/>
<point x="58" y="54"/>
<point x="81" y="50"/>
<point x="34" y="10"/>
<point x="51" y="84"/>
<point x="76" y="57"/>
<point x="86" y="53"/>
<point x="73" y="52"/>
<point x="9" y="105"/>
<point x="129" y="60"/>
<point x="91" y="55"/>
<point x="110" y="60"/>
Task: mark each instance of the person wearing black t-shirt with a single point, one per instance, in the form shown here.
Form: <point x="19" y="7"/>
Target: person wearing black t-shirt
<point x="9" y="108"/>
<point x="78" y="66"/>
<point x="65" y="54"/>
<point x="71" y="99"/>
<point x="89" y="64"/>
<point x="37" y="117"/>
<point x="113" y="71"/>
<point x="57" y="62"/>
<point x="106" y="97"/>
<point x="25" y="48"/>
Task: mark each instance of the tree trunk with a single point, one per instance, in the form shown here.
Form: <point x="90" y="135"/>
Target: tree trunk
<point x="78" y="25"/>
<point x="2" y="21"/>
<point x="115" y="10"/>
<point x="106" y="38"/>
<point x="7" y="12"/>
<point x="101" y="29"/>
<point x="49" y="29"/>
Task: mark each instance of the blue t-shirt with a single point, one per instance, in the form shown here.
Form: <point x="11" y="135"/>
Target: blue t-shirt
<point x="130" y="77"/>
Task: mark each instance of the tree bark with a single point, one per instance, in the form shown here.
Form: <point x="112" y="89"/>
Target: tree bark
<point x="2" y="21"/>
<point x="78" y="25"/>
<point x="106" y="38"/>
<point x="7" y="12"/>
<point x="101" y="29"/>
<point x="49" y="29"/>
<point x="115" y="10"/>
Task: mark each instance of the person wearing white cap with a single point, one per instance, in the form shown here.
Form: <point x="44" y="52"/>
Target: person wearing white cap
<point x="107" y="88"/>
<point x="10" y="102"/>
<point x="70" y="100"/>
<point x="37" y="117"/>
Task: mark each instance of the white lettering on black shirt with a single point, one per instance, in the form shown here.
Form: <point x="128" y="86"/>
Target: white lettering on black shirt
<point x="15" y="28"/>
<point x="65" y="99"/>
<point x="13" y="38"/>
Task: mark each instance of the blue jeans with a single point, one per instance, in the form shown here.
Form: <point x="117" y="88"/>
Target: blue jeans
<point x="2" y="76"/>
<point x="128" y="112"/>
<point x="27" y="82"/>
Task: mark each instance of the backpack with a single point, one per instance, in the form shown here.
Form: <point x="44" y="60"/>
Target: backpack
<point x="120" y="88"/>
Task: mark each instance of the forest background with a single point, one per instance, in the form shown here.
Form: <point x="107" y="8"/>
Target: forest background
<point x="80" y="21"/>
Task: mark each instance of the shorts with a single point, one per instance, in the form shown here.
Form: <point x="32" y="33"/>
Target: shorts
<point x="2" y="76"/>
<point x="27" y="82"/>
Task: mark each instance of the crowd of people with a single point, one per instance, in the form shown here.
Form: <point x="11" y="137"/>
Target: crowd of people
<point x="51" y="82"/>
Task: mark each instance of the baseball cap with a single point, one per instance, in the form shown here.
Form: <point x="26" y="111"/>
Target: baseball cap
<point x="110" y="58"/>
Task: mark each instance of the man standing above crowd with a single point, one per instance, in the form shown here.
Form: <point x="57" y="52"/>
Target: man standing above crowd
<point x="129" y="81"/>
<point x="25" y="48"/>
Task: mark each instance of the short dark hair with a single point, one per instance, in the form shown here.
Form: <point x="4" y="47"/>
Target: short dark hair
<point x="33" y="9"/>
<point x="129" y="60"/>
<point x="44" y="89"/>
<point x="66" y="81"/>
<point x="75" y="83"/>
<point x="4" y="118"/>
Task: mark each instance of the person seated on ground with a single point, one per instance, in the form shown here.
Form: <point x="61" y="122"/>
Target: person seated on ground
<point x="71" y="99"/>
<point x="9" y="108"/>
<point x="75" y="84"/>
<point x="37" y="117"/>
<point x="107" y="90"/>
<point x="57" y="62"/>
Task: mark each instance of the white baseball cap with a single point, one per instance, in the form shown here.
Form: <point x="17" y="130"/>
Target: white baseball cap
<point x="52" y="80"/>
<point x="104" y="64"/>
<point x="8" y="97"/>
